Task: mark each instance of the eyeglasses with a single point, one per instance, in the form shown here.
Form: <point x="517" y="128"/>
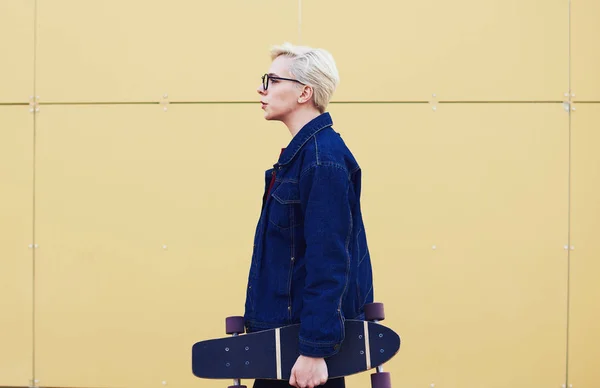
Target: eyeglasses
<point x="267" y="77"/>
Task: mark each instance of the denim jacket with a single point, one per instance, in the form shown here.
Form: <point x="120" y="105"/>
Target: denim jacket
<point x="310" y="262"/>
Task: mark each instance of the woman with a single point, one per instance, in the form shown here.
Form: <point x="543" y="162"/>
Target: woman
<point x="310" y="263"/>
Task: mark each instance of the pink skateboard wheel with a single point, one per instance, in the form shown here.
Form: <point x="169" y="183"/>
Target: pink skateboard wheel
<point x="234" y="325"/>
<point x="381" y="380"/>
<point x="374" y="312"/>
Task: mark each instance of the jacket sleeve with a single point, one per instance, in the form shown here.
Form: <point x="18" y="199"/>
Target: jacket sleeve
<point x="327" y="229"/>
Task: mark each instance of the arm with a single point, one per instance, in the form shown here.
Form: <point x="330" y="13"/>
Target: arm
<point x="327" y="230"/>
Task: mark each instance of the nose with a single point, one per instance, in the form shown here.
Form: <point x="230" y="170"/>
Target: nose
<point x="261" y="90"/>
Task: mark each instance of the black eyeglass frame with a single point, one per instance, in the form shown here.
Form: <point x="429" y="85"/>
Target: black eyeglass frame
<point x="267" y="77"/>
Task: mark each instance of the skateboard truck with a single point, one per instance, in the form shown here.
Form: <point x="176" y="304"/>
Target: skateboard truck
<point x="374" y="312"/>
<point x="235" y="325"/>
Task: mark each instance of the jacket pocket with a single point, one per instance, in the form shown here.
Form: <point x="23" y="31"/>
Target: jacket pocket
<point x="284" y="211"/>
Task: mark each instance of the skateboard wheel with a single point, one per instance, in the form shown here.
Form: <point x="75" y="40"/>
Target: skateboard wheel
<point x="374" y="312"/>
<point x="381" y="380"/>
<point x="237" y="386"/>
<point x="234" y="325"/>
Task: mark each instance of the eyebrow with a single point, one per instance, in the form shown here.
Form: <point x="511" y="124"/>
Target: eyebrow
<point x="273" y="74"/>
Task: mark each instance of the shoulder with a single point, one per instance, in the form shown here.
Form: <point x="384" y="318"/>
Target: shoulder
<point x="327" y="148"/>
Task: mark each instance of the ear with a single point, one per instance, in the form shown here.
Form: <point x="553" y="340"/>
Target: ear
<point x="306" y="95"/>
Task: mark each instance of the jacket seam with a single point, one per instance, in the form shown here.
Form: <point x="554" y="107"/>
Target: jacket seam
<point x="324" y="164"/>
<point x="292" y="262"/>
<point x="364" y="301"/>
<point x="348" y="260"/>
<point x="318" y="344"/>
<point x="358" y="265"/>
<point x="284" y="201"/>
<point x="285" y="162"/>
<point x="286" y="180"/>
<point x="317" y="151"/>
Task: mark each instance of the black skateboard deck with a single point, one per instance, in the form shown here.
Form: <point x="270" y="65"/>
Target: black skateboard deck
<point x="271" y="354"/>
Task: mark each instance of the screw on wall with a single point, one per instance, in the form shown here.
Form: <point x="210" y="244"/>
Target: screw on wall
<point x="568" y="102"/>
<point x="434" y="102"/>
<point x="34" y="104"/>
<point x="165" y="101"/>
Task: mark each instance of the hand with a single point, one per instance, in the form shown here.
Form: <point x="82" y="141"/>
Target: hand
<point x="308" y="372"/>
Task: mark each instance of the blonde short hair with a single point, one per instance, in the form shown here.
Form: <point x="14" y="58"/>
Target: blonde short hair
<point x="314" y="67"/>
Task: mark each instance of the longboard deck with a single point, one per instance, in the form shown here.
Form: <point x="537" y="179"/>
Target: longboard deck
<point x="260" y="356"/>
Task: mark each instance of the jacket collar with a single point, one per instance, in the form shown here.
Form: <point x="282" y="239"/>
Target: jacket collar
<point x="308" y="130"/>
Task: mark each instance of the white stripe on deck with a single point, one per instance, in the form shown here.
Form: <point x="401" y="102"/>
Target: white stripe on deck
<point x="367" y="347"/>
<point x="278" y="353"/>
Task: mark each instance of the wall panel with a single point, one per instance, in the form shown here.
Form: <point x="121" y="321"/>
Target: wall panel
<point x="188" y="50"/>
<point x="16" y="234"/>
<point x="466" y="213"/>
<point x="584" y="320"/>
<point x="465" y="50"/>
<point x="16" y="46"/>
<point x="145" y="222"/>
<point x="585" y="50"/>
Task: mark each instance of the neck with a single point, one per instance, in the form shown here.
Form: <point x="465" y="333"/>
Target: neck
<point x="298" y="119"/>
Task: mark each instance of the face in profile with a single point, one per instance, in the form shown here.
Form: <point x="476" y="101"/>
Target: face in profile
<point x="281" y="95"/>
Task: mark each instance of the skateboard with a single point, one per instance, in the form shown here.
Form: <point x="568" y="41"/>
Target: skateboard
<point x="271" y="354"/>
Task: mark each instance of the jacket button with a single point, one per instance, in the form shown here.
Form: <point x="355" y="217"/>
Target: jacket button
<point x="289" y="308"/>
<point x="293" y="259"/>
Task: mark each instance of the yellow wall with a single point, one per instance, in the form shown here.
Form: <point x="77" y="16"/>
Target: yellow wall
<point x="126" y="229"/>
<point x="16" y="256"/>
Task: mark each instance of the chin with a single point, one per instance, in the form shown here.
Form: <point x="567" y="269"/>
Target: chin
<point x="270" y="117"/>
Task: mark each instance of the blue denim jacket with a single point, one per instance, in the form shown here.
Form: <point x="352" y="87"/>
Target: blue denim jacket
<point x="310" y="263"/>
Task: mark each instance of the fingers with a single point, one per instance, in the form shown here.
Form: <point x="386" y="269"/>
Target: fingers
<point x="301" y="377"/>
<point x="308" y="384"/>
<point x="314" y="383"/>
<point x="303" y="383"/>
